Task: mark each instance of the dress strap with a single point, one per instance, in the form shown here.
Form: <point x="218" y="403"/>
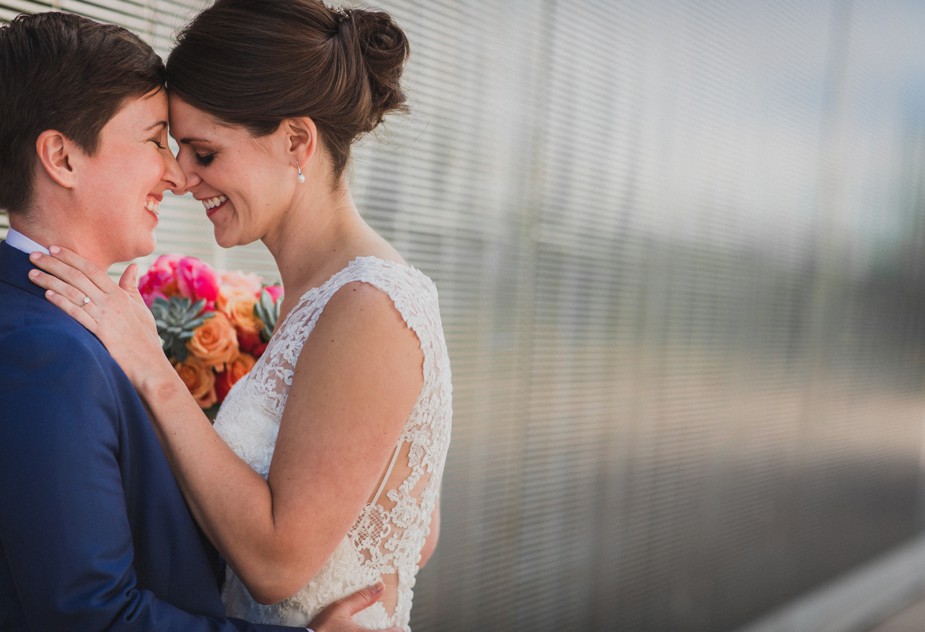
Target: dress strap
<point x="388" y="472"/>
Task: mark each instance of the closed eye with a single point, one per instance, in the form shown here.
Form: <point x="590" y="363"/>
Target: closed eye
<point x="204" y="160"/>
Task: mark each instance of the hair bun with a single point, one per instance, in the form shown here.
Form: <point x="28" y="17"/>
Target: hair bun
<point x="255" y="64"/>
<point x="385" y="49"/>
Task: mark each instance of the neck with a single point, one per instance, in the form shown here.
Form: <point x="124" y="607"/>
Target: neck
<point x="314" y="239"/>
<point x="46" y="225"/>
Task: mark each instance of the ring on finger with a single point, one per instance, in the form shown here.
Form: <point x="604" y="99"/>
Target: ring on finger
<point x="86" y="301"/>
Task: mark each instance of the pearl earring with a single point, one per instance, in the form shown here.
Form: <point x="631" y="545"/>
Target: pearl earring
<point x="300" y="176"/>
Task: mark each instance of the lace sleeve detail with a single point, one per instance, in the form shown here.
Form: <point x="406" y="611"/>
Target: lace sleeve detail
<point x="388" y="536"/>
<point x="413" y="294"/>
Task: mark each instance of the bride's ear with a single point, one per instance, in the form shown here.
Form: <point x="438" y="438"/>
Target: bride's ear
<point x="57" y="153"/>
<point x="301" y="136"/>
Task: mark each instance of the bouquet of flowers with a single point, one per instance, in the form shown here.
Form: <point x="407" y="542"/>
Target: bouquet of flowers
<point x="213" y="325"/>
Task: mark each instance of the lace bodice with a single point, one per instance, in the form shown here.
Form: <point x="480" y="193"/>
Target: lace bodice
<point x="386" y="539"/>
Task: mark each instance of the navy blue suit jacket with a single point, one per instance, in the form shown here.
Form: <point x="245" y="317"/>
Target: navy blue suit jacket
<point x="94" y="533"/>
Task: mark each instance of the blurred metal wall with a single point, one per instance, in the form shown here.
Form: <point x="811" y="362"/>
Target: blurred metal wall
<point x="680" y="253"/>
<point x="680" y="247"/>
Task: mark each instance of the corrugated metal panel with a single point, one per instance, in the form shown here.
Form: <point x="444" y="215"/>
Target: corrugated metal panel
<point x="648" y="461"/>
<point x="156" y="20"/>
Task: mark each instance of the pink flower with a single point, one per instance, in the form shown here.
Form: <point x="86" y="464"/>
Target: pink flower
<point x="166" y="262"/>
<point x="160" y="280"/>
<point x="275" y="291"/>
<point x="197" y="281"/>
<point x="224" y="347"/>
<point x="155" y="284"/>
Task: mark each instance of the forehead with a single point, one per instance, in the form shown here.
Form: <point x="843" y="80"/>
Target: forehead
<point x="187" y="121"/>
<point x="140" y="112"/>
<point x="191" y="126"/>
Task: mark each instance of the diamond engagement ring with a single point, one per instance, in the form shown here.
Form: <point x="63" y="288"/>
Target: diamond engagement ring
<point x="86" y="300"/>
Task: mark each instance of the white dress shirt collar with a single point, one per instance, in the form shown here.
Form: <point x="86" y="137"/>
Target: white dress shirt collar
<point x="19" y="241"/>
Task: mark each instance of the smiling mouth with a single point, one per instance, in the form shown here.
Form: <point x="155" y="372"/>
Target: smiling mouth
<point x="213" y="203"/>
<point x="153" y="205"/>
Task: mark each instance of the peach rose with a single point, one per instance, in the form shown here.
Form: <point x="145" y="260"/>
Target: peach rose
<point x="236" y="369"/>
<point x="236" y="286"/>
<point x="240" y="311"/>
<point x="199" y="379"/>
<point x="239" y="282"/>
<point x="214" y="342"/>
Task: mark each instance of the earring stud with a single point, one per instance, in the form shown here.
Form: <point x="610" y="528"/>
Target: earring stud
<point x="300" y="176"/>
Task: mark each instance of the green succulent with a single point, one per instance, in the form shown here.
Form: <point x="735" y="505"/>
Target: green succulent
<point x="267" y="310"/>
<point x="177" y="318"/>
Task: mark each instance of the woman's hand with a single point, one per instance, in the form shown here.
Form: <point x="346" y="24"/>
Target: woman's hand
<point x="338" y="617"/>
<point x="116" y="314"/>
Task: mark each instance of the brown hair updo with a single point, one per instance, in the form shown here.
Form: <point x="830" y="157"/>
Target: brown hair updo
<point x="254" y="63"/>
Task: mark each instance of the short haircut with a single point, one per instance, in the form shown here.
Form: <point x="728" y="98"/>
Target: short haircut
<point x="67" y="73"/>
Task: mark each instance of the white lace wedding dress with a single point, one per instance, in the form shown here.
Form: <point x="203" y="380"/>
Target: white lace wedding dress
<point x="386" y="540"/>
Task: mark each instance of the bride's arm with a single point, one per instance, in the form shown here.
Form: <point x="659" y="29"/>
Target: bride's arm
<point x="355" y="383"/>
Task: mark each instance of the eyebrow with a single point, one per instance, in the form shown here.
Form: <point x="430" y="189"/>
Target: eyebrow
<point x="158" y="124"/>
<point x="191" y="139"/>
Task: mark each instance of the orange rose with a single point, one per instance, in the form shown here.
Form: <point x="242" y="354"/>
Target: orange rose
<point x="237" y="369"/>
<point x="214" y="342"/>
<point x="199" y="379"/>
<point x="240" y="311"/>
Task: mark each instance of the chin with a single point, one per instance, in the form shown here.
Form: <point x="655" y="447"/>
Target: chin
<point x="146" y="247"/>
<point x="142" y="249"/>
<point x="227" y="240"/>
<point x="222" y="240"/>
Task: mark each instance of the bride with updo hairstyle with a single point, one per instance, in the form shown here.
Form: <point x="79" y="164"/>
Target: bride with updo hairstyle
<point x="254" y="63"/>
<point x="354" y="471"/>
<point x="322" y="471"/>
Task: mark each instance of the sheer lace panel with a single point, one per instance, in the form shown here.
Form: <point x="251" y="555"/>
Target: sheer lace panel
<point x="386" y="540"/>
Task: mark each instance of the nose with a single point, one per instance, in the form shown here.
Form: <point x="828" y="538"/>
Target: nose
<point x="173" y="175"/>
<point x="187" y="169"/>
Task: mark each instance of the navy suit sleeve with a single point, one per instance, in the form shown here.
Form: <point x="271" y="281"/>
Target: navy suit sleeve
<point x="64" y="523"/>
